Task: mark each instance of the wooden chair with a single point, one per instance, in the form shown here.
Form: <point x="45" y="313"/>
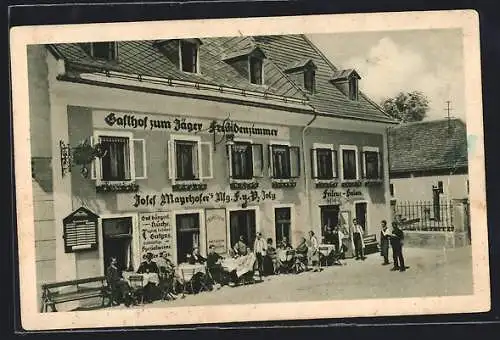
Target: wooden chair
<point x="137" y="288"/>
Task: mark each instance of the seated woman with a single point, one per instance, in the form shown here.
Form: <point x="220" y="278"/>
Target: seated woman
<point x="120" y="290"/>
<point x="284" y="245"/>
<point x="167" y="277"/>
<point x="270" y="259"/>
<point x="146" y="267"/>
<point x="302" y="250"/>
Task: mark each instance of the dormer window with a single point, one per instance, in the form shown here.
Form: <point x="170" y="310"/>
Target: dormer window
<point x="353" y="88"/>
<point x="347" y="82"/>
<point x="310" y="80"/>
<point x="256" y="70"/>
<point x="303" y="73"/>
<point x="248" y="62"/>
<point x="189" y="56"/>
<point x="106" y="50"/>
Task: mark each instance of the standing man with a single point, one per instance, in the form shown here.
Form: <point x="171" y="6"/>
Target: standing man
<point x="259" y="248"/>
<point x="358" y="240"/>
<point x="313" y="251"/>
<point x="397" y="237"/>
<point x="385" y="237"/>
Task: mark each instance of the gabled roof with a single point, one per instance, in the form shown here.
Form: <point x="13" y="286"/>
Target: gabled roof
<point x="300" y="64"/>
<point x="344" y="74"/>
<point x="145" y="58"/>
<point x="250" y="50"/>
<point x="427" y="146"/>
<point x="327" y="98"/>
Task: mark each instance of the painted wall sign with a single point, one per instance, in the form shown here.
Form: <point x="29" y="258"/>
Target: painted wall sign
<point x="156" y="234"/>
<point x="215" y="223"/>
<point x="189" y="199"/>
<point x="332" y="194"/>
<point x="184" y="124"/>
<point x="80" y="230"/>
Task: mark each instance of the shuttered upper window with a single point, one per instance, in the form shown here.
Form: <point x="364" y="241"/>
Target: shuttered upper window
<point x="245" y="160"/>
<point x="189" y="159"/>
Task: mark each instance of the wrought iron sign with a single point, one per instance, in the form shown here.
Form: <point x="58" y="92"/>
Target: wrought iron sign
<point x="83" y="154"/>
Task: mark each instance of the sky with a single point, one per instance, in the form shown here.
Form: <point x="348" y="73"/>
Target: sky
<point x="389" y="62"/>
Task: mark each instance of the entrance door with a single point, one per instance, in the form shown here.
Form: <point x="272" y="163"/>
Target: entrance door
<point x="282" y="220"/>
<point x="329" y="216"/>
<point x="361" y="214"/>
<point x="188" y="234"/>
<point x="117" y="241"/>
<point x="242" y="222"/>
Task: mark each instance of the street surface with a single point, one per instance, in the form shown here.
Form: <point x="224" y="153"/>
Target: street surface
<point x="431" y="273"/>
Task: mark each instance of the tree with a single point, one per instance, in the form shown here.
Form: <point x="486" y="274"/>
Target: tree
<point x="407" y="107"/>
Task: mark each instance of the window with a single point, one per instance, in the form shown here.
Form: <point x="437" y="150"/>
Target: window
<point x="391" y="189"/>
<point x="282" y="223"/>
<point x="245" y="160"/>
<point x="189" y="56"/>
<point x="190" y="159"/>
<point x="188" y="234"/>
<point x="324" y="161"/>
<point x="349" y="161"/>
<point x="353" y="88"/>
<point x="103" y="50"/>
<point x="284" y="161"/>
<point x="310" y="80"/>
<point x="256" y="71"/>
<point x="124" y="158"/>
<point x="371" y="163"/>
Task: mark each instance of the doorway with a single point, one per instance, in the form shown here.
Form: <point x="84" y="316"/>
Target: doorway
<point x="117" y="242"/>
<point x="242" y="222"/>
<point x="329" y="216"/>
<point x="282" y="224"/>
<point x="188" y="234"/>
<point x="361" y="211"/>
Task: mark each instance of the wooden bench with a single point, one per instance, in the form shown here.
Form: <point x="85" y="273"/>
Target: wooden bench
<point x="371" y="244"/>
<point x="92" y="287"/>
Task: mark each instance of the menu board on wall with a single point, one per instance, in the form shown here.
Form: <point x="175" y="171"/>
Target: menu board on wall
<point x="156" y="234"/>
<point x="215" y="222"/>
<point x="80" y="230"/>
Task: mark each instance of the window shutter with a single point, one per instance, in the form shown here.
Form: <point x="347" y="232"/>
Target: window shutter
<point x="363" y="164"/>
<point x="171" y="159"/>
<point x="294" y="161"/>
<point x="379" y="166"/>
<point x="257" y="160"/>
<point x="314" y="164"/>
<point x="196" y="161"/>
<point x="270" y="160"/>
<point x="206" y="161"/>
<point x="140" y="158"/>
<point x="93" y="171"/>
<point x="334" y="163"/>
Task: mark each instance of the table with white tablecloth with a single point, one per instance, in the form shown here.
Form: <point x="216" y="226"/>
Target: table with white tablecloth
<point x="241" y="264"/>
<point x="146" y="278"/>
<point x="186" y="271"/>
<point x="326" y="249"/>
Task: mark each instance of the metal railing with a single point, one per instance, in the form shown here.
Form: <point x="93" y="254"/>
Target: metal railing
<point x="424" y="215"/>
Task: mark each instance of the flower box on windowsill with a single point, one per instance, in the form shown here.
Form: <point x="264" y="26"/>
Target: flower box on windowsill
<point x="244" y="185"/>
<point x="326" y="184"/>
<point x="373" y="182"/>
<point x="351" y="183"/>
<point x="288" y="183"/>
<point x="189" y="187"/>
<point x="117" y="187"/>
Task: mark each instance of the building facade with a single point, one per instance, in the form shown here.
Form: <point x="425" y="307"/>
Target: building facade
<point x="442" y="173"/>
<point x="189" y="143"/>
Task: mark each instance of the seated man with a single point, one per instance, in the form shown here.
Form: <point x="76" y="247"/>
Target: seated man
<point x="302" y="249"/>
<point x="120" y="290"/>
<point x="147" y="267"/>
<point x="240" y="248"/>
<point x="214" y="266"/>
